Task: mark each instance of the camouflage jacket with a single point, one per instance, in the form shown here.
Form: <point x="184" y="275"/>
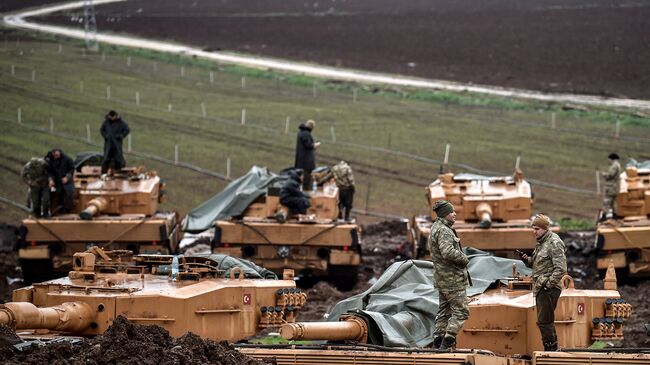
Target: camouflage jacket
<point x="548" y="262"/>
<point x="612" y="178"/>
<point x="449" y="261"/>
<point x="342" y="173"/>
<point x="35" y="173"/>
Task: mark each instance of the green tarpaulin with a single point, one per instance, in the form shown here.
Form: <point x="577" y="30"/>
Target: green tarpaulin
<point x="401" y="306"/>
<point x="233" y="200"/>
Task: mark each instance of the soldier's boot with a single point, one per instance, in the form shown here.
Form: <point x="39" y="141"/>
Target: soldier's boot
<point x="437" y="341"/>
<point x="550" y="346"/>
<point x="448" y="343"/>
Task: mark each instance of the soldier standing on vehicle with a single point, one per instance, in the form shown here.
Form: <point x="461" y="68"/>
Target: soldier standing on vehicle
<point x="35" y="175"/>
<point x="450" y="276"/>
<point x="611" y="187"/>
<point x="549" y="265"/>
<point x="61" y="168"/>
<point x="342" y="173"/>
<point x="306" y="153"/>
<point x="114" y="130"/>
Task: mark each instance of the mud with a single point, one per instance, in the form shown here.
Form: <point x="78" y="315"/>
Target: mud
<point x="585" y="46"/>
<point x="128" y="343"/>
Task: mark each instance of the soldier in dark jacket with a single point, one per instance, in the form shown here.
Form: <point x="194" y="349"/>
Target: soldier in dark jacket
<point x="305" y="153"/>
<point x="450" y="276"/>
<point x="291" y="196"/>
<point x="35" y="175"/>
<point x="61" y="169"/>
<point x="549" y="265"/>
<point x="114" y="130"/>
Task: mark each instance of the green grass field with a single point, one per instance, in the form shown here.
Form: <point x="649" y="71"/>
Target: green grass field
<point x="487" y="133"/>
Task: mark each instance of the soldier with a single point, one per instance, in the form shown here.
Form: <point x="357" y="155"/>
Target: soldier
<point x="305" y="152"/>
<point x="61" y="168"/>
<point x="450" y="276"/>
<point x="35" y="175"/>
<point x="549" y="265"/>
<point x="611" y="187"/>
<point x="342" y="173"/>
<point x="114" y="130"/>
<point x="291" y="196"/>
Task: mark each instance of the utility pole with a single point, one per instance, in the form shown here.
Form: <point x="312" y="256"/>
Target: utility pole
<point x="90" y="26"/>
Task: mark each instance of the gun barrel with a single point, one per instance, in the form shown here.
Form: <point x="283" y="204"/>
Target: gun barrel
<point x="67" y="317"/>
<point x="94" y="207"/>
<point x="351" y="328"/>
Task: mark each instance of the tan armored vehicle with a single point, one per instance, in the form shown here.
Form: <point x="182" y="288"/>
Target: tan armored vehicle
<point x="315" y="245"/>
<point x="492" y="212"/>
<point x="120" y="211"/>
<point x="626" y="240"/>
<point x="213" y="296"/>
<point x="501" y="330"/>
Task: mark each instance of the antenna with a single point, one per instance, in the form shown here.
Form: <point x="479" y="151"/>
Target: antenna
<point x="90" y="26"/>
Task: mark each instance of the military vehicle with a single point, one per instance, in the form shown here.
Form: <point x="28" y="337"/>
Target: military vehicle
<point x="493" y="213"/>
<point x="626" y="239"/>
<point x="315" y="245"/>
<point x="118" y="210"/>
<point x="501" y="330"/>
<point x="213" y="296"/>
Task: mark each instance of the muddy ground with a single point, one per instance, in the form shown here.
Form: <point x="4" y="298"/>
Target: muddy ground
<point x="585" y="46"/>
<point x="383" y="244"/>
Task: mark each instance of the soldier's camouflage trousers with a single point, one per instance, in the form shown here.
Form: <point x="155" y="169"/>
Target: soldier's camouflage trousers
<point x="546" y="301"/>
<point x="609" y="203"/>
<point x="40" y="198"/>
<point x="452" y="313"/>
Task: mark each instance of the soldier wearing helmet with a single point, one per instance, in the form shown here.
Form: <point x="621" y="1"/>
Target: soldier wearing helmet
<point x="611" y="187"/>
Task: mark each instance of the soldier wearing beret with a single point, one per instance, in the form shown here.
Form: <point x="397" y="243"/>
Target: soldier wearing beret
<point x="450" y="276"/>
<point x="549" y="265"/>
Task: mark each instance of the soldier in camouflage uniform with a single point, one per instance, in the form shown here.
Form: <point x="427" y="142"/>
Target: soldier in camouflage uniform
<point x="35" y="175"/>
<point x="549" y="265"/>
<point x="611" y="187"/>
<point x="342" y="173"/>
<point x="450" y="276"/>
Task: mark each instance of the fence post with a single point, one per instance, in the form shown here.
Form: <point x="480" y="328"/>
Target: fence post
<point x="243" y="116"/>
<point x="137" y="98"/>
<point x="13" y="70"/>
<point x="211" y="77"/>
<point x="51" y="124"/>
<point x="618" y="129"/>
<point x="597" y="181"/>
<point x="103" y="56"/>
<point x="314" y="89"/>
<point x="81" y="86"/>
<point x="19" y="117"/>
<point x="517" y="163"/>
<point x="169" y="107"/>
<point x="333" y="134"/>
<point x="33" y="75"/>
<point x="354" y="95"/>
<point x="176" y="154"/>
<point x="389" y="139"/>
<point x="108" y="92"/>
<point x="182" y="71"/>
<point x="88" y="132"/>
<point x="243" y="82"/>
<point x="286" y="125"/>
<point x="228" y="167"/>
<point x="204" y="112"/>
<point x="553" y="120"/>
<point x="128" y="61"/>
<point x="60" y="48"/>
<point x="128" y="143"/>
<point x="83" y="53"/>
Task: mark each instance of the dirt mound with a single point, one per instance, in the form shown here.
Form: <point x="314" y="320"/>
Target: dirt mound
<point x="128" y="343"/>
